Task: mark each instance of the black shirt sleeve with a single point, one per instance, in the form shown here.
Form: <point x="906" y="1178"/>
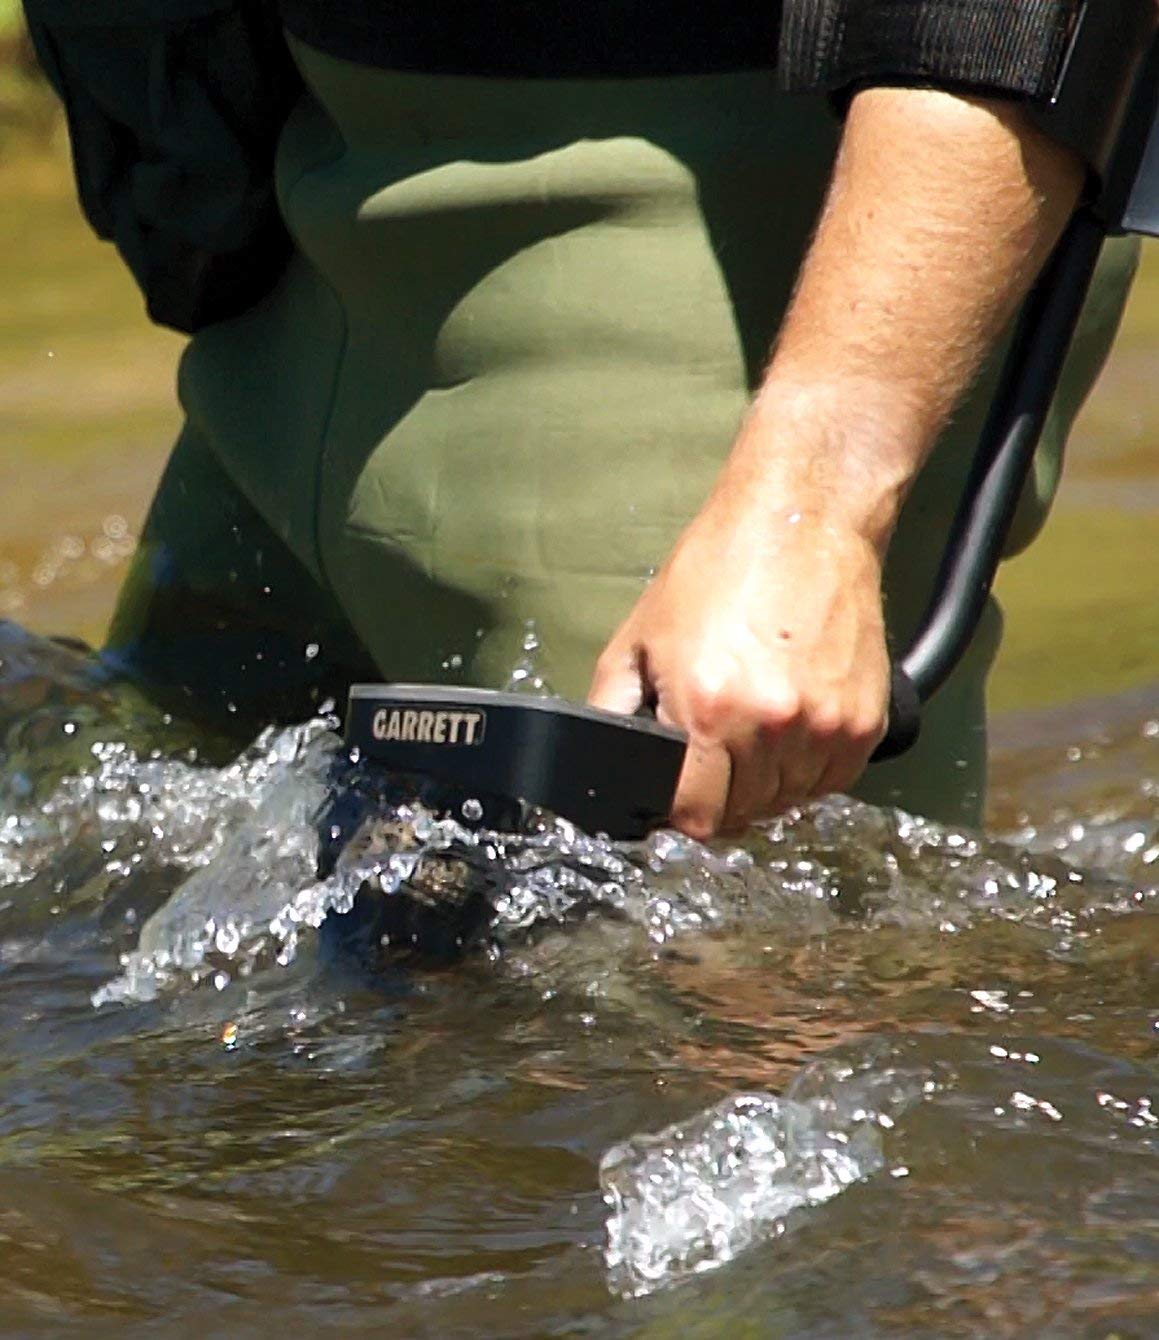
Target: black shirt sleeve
<point x="1083" y="69"/>
<point x="1001" y="46"/>
<point x="174" y="110"/>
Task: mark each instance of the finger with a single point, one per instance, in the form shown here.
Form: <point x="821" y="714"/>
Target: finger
<point x="756" y="779"/>
<point x="772" y="770"/>
<point x="840" y="776"/>
<point x="801" y="785"/>
<point x="756" y="783"/>
<point x="702" y="791"/>
<point x="618" y="682"/>
<point x="806" y="758"/>
<point x="844" y="768"/>
<point x="788" y="760"/>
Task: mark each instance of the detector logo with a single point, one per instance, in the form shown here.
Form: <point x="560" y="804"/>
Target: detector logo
<point x="428" y="725"/>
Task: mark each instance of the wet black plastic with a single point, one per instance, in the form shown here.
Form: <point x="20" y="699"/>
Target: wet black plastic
<point x="490" y="755"/>
<point x="904" y="723"/>
<point x="446" y="905"/>
<point x="605" y="772"/>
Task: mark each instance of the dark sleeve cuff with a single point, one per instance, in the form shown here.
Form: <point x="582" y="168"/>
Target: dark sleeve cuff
<point x="997" y="46"/>
<point x="1085" y="70"/>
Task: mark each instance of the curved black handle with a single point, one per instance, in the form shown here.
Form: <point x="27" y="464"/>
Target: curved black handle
<point x="905" y="717"/>
<point x="999" y="471"/>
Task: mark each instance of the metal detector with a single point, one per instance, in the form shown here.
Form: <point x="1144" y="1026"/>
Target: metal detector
<point x="617" y="774"/>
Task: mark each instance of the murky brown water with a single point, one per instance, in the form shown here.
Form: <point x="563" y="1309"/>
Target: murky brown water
<point x="216" y="1122"/>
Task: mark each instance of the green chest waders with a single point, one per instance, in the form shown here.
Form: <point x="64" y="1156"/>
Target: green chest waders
<point x="519" y="331"/>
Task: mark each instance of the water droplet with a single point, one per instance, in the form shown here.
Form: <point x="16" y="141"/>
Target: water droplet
<point x="228" y="939"/>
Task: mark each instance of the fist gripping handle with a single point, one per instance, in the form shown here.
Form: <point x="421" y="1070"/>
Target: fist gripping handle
<point x="605" y="772"/>
<point x="616" y="774"/>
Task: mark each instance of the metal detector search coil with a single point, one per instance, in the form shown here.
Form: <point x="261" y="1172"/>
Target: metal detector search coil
<point x="605" y="772"/>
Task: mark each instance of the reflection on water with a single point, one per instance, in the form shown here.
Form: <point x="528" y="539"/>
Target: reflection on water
<point x="70" y="561"/>
<point x="863" y="1076"/>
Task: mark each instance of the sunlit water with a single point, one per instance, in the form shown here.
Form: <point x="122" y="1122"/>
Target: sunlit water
<point x="864" y="1076"/>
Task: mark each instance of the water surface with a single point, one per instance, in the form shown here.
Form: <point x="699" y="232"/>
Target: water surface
<point x="213" y="1124"/>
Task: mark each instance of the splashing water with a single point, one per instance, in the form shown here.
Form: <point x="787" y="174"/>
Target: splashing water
<point x="254" y="882"/>
<point x="526" y="677"/>
<point x="165" y="811"/>
<point x="248" y="835"/>
<point x="693" y="1196"/>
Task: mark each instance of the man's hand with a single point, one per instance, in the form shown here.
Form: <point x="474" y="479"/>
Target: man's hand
<point x="762" y="635"/>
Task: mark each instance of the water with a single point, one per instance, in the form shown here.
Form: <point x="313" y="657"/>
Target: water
<point x="690" y="1198"/>
<point x="863" y="1076"/>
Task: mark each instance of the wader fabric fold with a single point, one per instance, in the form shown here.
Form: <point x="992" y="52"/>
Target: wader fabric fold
<point x="515" y="342"/>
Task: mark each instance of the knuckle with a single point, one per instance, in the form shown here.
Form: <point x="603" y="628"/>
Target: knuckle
<point x="866" y="729"/>
<point x="720" y="704"/>
<point x="826" y="721"/>
<point x="710" y="707"/>
<point x="776" y="709"/>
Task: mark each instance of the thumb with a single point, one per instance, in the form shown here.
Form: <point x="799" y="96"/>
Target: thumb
<point x="618" y="684"/>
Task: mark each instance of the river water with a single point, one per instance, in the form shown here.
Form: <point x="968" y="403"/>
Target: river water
<point x="862" y="1076"/>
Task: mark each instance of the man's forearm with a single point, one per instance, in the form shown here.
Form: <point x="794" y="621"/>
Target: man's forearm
<point x="941" y="211"/>
<point x="762" y="635"/>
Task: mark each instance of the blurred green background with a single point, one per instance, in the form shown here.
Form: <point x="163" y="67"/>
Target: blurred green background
<point x="87" y="413"/>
